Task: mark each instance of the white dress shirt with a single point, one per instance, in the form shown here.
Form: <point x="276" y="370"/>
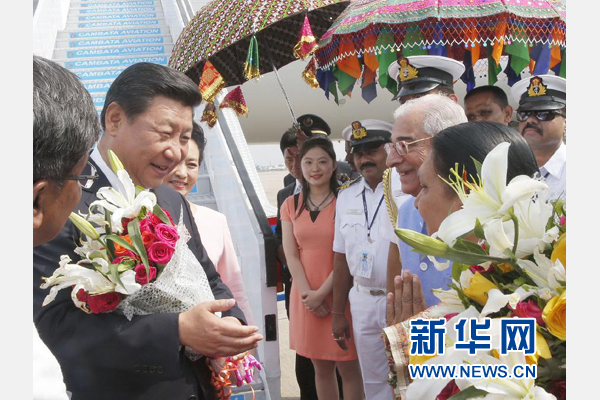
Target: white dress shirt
<point x="554" y="173"/>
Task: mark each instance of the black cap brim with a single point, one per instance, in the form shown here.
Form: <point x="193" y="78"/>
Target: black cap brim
<point x="367" y="144"/>
<point x="544" y="105"/>
<point x="415" y="88"/>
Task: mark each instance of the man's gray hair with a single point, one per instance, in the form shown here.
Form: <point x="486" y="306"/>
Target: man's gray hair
<point x="65" y="121"/>
<point x="439" y="112"/>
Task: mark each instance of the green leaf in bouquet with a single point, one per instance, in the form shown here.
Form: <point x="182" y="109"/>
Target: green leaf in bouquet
<point x="136" y="238"/>
<point x="478" y="231"/>
<point x="477" y="166"/>
<point x="469" y="247"/>
<point x="559" y="206"/>
<point x="124" y="267"/>
<point x="469" y="393"/>
<point x="114" y="272"/>
<point x="472" y="258"/>
<point x="161" y="214"/>
<point x="110" y="247"/>
<point x="520" y="281"/>
<point x="121" y="242"/>
<point x="464" y="299"/>
<point x="457" y="270"/>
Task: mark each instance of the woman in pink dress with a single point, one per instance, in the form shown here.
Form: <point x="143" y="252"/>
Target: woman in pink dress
<point x="308" y="228"/>
<point x="212" y="225"/>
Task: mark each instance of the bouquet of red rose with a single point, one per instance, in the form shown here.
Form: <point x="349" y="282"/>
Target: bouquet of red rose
<point x="133" y="257"/>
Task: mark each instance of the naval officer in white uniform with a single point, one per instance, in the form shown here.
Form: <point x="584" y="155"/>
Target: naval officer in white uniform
<point x="360" y="256"/>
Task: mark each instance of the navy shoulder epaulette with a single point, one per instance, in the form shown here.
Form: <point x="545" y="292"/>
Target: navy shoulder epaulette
<point x="348" y="184"/>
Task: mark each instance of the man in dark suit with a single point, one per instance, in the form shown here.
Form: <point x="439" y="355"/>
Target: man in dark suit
<point x="147" y="121"/>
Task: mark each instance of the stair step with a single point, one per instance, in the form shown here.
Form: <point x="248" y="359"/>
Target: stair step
<point x="113" y="3"/>
<point x="113" y="10"/>
<point x="138" y="23"/>
<point x="113" y="33"/>
<point x="98" y="87"/>
<point x="112" y="51"/>
<point x="110" y="62"/>
<point x="96" y="74"/>
<point x="120" y="16"/>
<point x="126" y="41"/>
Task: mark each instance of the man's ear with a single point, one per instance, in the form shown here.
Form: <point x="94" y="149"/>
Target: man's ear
<point x="453" y="97"/>
<point x="113" y="118"/>
<point x="508" y="113"/>
<point x="40" y="188"/>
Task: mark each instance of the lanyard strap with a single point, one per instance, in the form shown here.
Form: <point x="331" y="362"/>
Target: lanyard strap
<point x="370" y="225"/>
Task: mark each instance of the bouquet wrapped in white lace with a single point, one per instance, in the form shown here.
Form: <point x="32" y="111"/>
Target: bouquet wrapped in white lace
<point x="181" y="285"/>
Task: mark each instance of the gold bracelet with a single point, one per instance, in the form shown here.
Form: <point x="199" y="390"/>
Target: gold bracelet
<point x="338" y="313"/>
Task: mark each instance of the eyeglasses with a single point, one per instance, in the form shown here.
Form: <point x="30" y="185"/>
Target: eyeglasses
<point x="401" y="147"/>
<point x="540" y="115"/>
<point x="86" y="181"/>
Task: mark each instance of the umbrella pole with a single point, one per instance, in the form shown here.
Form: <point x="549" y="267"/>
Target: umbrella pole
<point x="284" y="93"/>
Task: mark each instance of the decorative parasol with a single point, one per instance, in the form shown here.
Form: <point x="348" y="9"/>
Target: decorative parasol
<point x="371" y="34"/>
<point x="242" y="39"/>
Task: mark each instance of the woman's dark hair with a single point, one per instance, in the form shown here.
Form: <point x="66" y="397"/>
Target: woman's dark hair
<point x="199" y="139"/>
<point x="474" y="140"/>
<point x="324" y="143"/>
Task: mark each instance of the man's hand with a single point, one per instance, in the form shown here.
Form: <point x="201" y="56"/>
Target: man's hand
<point x="212" y="336"/>
<point x="407" y="299"/>
<point x="340" y="328"/>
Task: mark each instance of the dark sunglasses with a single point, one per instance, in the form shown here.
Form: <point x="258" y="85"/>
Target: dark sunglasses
<point x="86" y="181"/>
<point x="540" y="115"/>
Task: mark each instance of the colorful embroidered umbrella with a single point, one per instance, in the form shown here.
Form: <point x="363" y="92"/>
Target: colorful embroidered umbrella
<point x="371" y="34"/>
<point x="224" y="31"/>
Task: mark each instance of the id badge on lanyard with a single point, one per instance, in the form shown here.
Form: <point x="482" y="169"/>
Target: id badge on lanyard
<point x="365" y="261"/>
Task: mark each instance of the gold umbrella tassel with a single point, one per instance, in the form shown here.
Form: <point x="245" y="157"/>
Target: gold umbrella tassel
<point x="251" y="66"/>
<point x="310" y="74"/>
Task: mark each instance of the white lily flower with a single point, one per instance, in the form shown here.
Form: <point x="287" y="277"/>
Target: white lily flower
<point x="498" y="238"/>
<point x="449" y="303"/>
<point x="89" y="246"/>
<point x="465" y="278"/>
<point x="544" y="272"/>
<point x="123" y="205"/>
<point x="507" y="389"/>
<point x="129" y="283"/>
<point x="440" y="266"/>
<point x="103" y="265"/>
<point x="75" y="275"/>
<point x="498" y="300"/>
<point x="491" y="199"/>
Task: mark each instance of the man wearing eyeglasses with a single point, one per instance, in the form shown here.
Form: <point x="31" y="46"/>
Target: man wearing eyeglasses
<point x="542" y="116"/>
<point x="418" y="76"/>
<point x="65" y="127"/>
<point x="416" y="122"/>
<point x="360" y="256"/>
<point x="147" y="121"/>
